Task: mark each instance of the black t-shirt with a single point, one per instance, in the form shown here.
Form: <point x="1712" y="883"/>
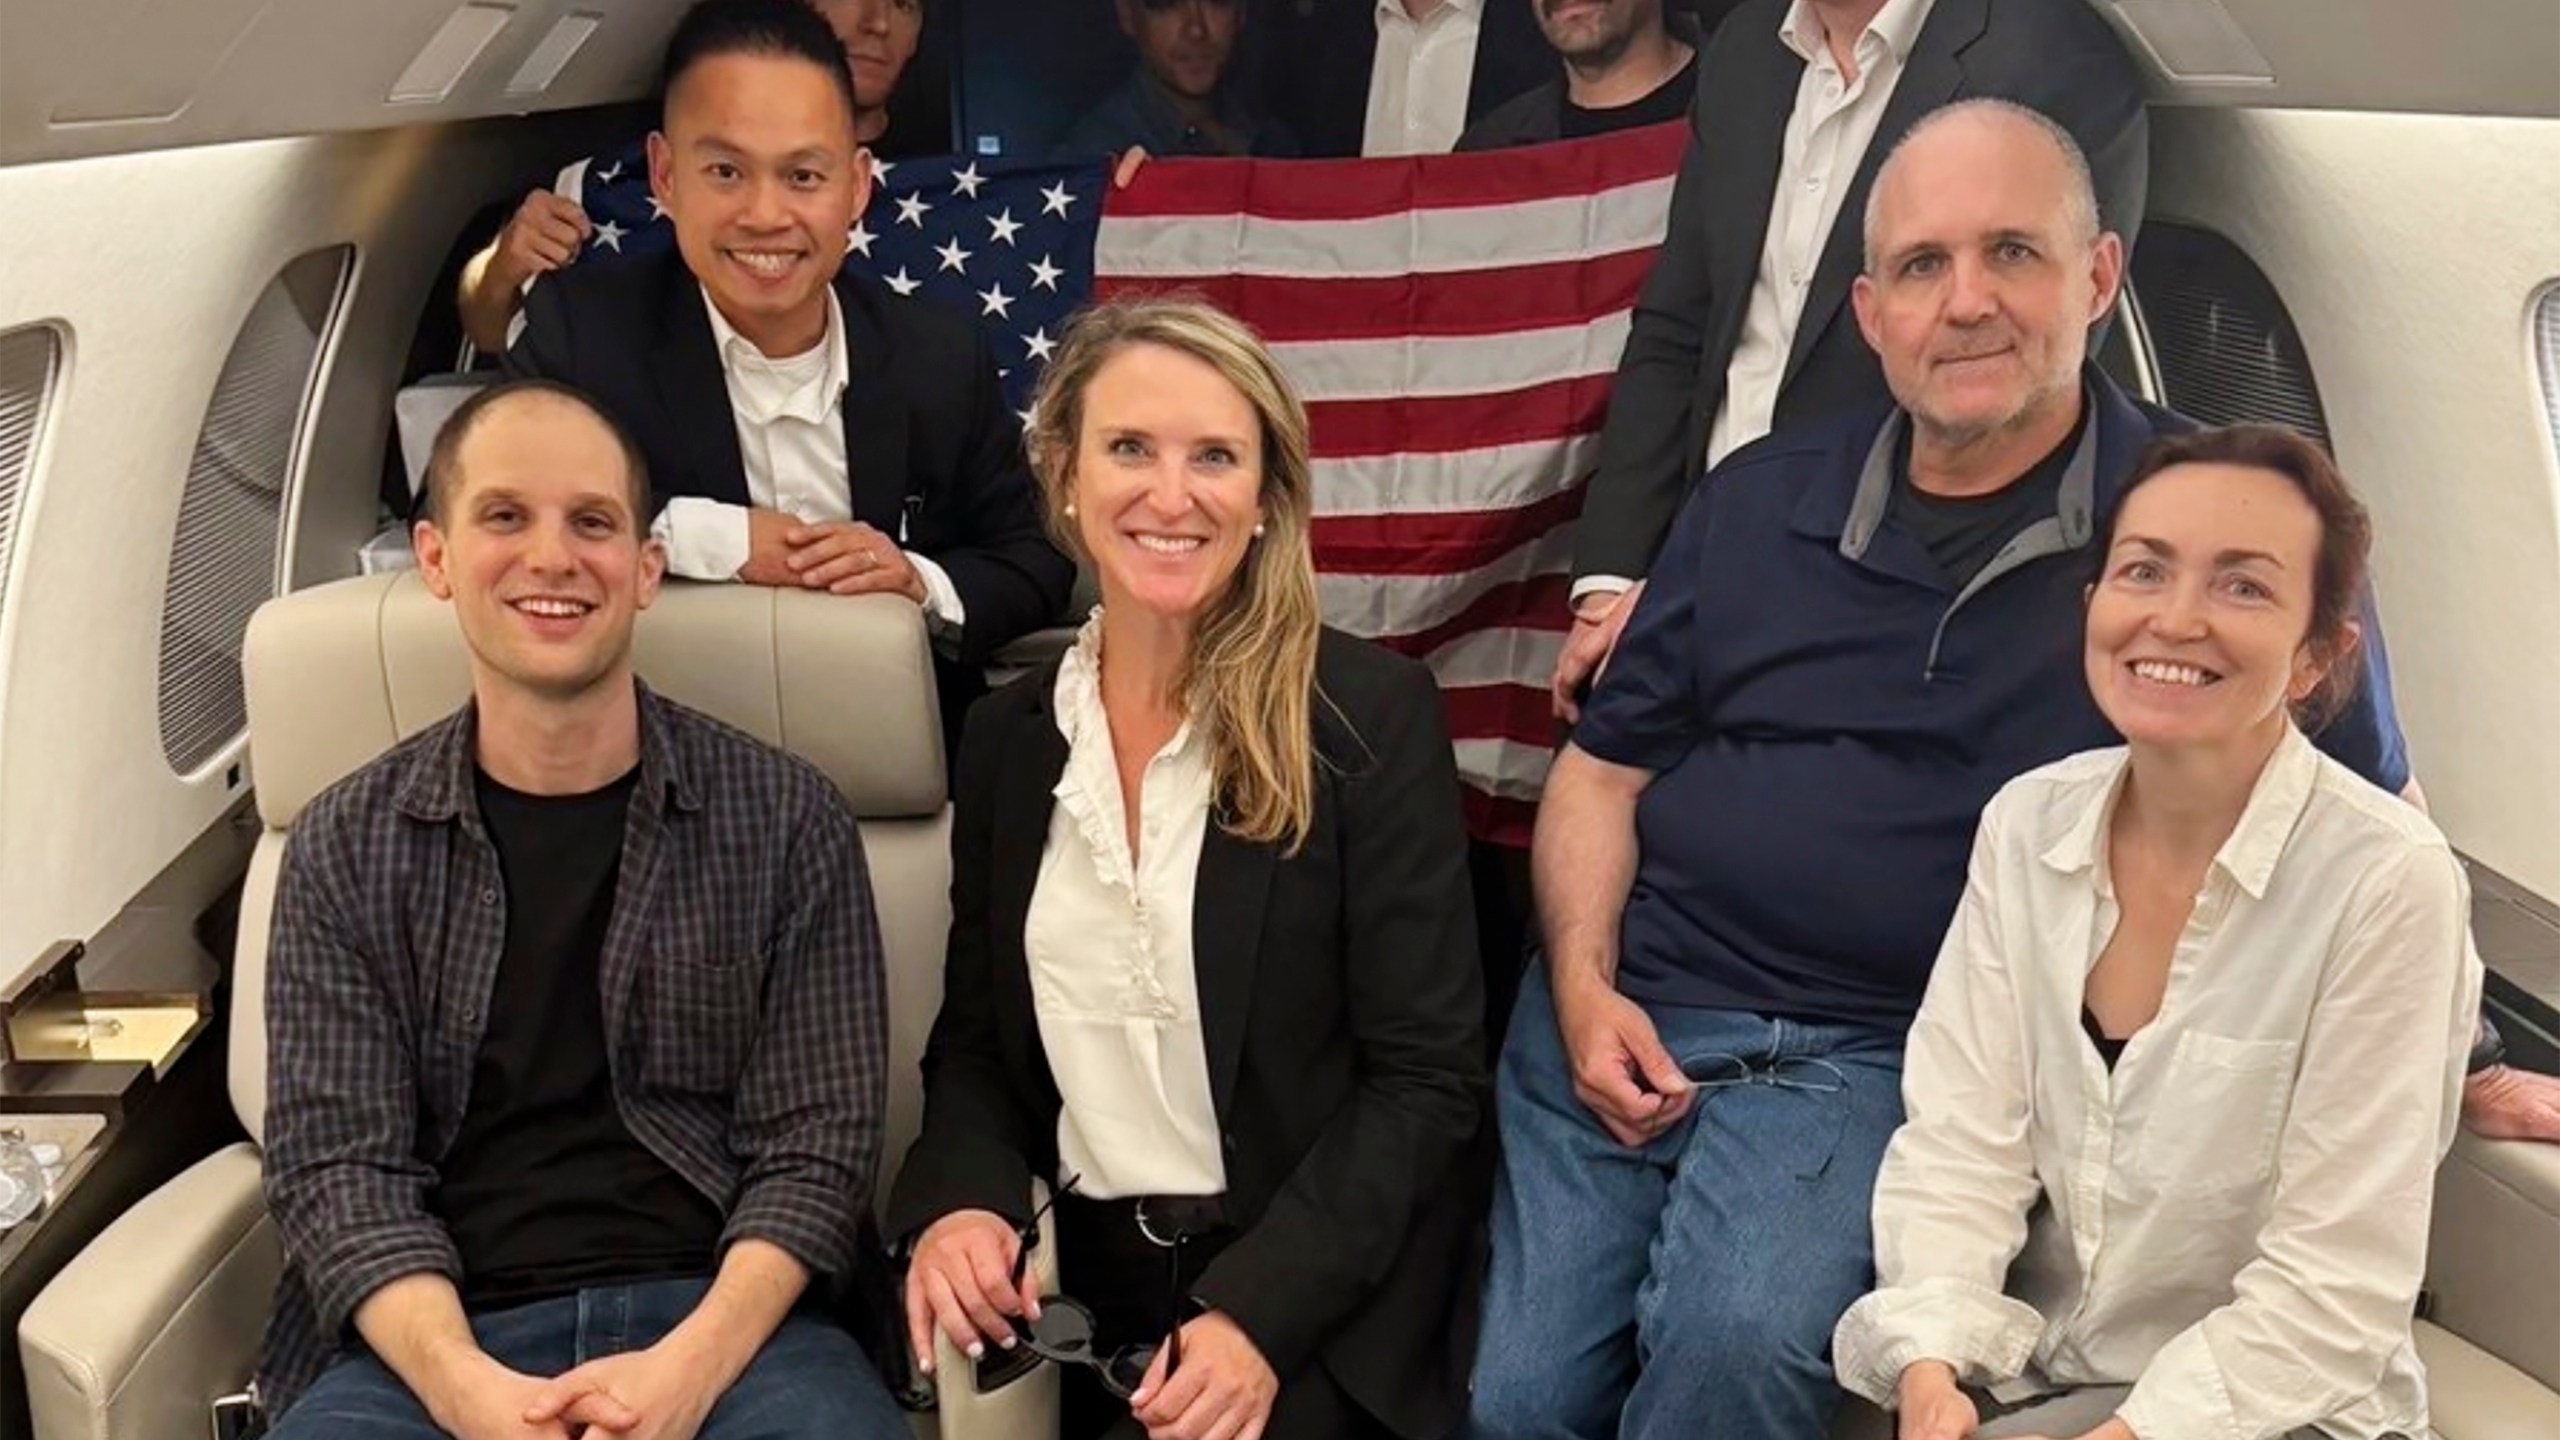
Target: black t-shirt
<point x="1669" y="101"/>
<point x="1963" y="533"/>
<point x="545" y="1190"/>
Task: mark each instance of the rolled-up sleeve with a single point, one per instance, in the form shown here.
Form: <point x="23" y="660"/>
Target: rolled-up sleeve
<point x="1959" y="1178"/>
<point x="810" y="1106"/>
<point x="343" y="1178"/>
<point x="2320" y="1311"/>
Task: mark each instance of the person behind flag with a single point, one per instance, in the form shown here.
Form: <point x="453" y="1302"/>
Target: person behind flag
<point x="1744" y="324"/>
<point x="1748" y="853"/>
<point x="1182" y="97"/>
<point x="1393" y="77"/>
<point x="807" y="427"/>
<point x="2194" y="1044"/>
<point x="578" y="1017"/>
<point x="1211" y="974"/>
<point x="549" y="229"/>
<point x="1626" y="64"/>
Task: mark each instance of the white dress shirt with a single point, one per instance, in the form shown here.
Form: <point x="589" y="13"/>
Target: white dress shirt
<point x="1826" y="139"/>
<point x="2237" y="1215"/>
<point x="790" y="418"/>
<point x="1109" y="941"/>
<point x="1418" y="84"/>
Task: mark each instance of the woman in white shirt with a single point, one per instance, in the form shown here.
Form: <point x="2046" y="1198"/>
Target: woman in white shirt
<point x="1211" y="971"/>
<point x="2195" y="1042"/>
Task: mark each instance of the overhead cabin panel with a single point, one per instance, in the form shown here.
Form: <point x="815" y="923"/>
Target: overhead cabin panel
<point x="100" y="77"/>
<point x="2453" y="57"/>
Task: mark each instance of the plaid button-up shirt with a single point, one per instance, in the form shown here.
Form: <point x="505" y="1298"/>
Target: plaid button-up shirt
<point x="745" y="1009"/>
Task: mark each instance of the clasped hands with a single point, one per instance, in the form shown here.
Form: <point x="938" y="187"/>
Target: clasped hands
<point x="662" y="1393"/>
<point x="961" y="1282"/>
<point x="842" y="557"/>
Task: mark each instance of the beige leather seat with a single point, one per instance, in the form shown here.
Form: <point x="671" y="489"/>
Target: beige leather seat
<point x="164" y="1310"/>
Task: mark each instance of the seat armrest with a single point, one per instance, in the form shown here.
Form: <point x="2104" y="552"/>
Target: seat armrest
<point x="2493" y="1258"/>
<point x="160" y="1314"/>
<point x="2473" y="1395"/>
<point x="1027" y="1409"/>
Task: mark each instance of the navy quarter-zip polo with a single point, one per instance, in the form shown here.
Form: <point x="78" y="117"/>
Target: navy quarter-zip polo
<point x="1826" y="713"/>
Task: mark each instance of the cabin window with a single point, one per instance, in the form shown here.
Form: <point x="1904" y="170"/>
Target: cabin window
<point x="225" y="559"/>
<point x="2224" y="345"/>
<point x="29" y="360"/>
<point x="2546" y="346"/>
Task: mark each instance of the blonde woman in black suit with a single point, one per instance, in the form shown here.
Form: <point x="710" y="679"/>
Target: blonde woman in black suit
<point x="1212" y="972"/>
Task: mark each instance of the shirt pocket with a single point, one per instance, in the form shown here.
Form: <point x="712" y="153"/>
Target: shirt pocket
<point x="2214" y="1121"/>
<point x="701" y="1018"/>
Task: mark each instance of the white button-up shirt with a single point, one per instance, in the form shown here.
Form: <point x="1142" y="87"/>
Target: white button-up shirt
<point x="1419" y="81"/>
<point x="1113" y="985"/>
<point x="790" y="418"/>
<point x="2237" y="1215"/>
<point x="1826" y="139"/>
<point x="1827" y="136"/>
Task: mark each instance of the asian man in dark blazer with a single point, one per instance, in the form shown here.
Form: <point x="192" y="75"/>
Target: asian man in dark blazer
<point x="801" y="426"/>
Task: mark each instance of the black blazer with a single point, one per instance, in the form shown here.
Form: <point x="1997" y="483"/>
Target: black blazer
<point x="1343" y="1008"/>
<point x="935" y="455"/>
<point x="1316" y="56"/>
<point x="2055" y="56"/>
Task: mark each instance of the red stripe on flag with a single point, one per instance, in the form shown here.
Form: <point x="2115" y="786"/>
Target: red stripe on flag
<point x="1541" y="602"/>
<point x="1488" y="302"/>
<point x="1367" y="189"/>
<point x="1438" y="543"/>
<point x="1502" y="712"/>
<point x="1438" y="424"/>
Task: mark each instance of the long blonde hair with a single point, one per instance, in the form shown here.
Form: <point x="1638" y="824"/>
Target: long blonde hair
<point x="1249" y="681"/>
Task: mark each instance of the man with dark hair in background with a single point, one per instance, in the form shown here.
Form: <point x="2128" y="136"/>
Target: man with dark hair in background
<point x="578" y="1016"/>
<point x="1180" y="98"/>
<point x="549" y="229"/>
<point x="1626" y="64"/>
<point x="1393" y="77"/>
<point x="805" y="425"/>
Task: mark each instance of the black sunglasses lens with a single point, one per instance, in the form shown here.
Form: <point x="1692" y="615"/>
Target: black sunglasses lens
<point x="998" y="1368"/>
<point x="1126" y="1370"/>
<point x="1064" y="1332"/>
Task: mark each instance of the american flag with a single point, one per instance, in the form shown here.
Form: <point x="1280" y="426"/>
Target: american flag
<point x="1452" y="321"/>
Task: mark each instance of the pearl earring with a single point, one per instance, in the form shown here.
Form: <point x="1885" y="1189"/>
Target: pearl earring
<point x="1257" y="530"/>
<point x="1071" y="509"/>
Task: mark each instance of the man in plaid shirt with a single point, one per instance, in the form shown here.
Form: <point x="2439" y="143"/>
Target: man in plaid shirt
<point x="577" y="1014"/>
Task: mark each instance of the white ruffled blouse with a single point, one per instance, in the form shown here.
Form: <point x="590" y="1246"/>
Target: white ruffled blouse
<point x="1109" y="941"/>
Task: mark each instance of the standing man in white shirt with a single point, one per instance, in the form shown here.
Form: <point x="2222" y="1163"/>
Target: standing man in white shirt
<point x="806" y="426"/>
<point x="1395" y="77"/>
<point x="1744" y="325"/>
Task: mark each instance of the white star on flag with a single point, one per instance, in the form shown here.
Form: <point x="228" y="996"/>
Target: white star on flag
<point x="656" y="210"/>
<point x="911" y="210"/>
<point x="609" y="235"/>
<point x="1024" y="416"/>
<point x="880" y="168"/>
<point x="966" y="180"/>
<point x="904" y="283"/>
<point x="995" y="302"/>
<point x="1045" y="275"/>
<point x="1055" y="200"/>
<point x="1040" y="344"/>
<point x="609" y="174"/>
<point x="953" y="257"/>
<point x="1003" y="223"/>
<point x="859" y="241"/>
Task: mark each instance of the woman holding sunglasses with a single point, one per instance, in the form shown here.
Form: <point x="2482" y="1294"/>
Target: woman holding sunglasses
<point x="1211" y="957"/>
<point x="2195" y="1042"/>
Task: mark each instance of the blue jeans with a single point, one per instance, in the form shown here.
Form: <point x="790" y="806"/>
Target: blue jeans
<point x="1686" y="1288"/>
<point x="809" y="1382"/>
